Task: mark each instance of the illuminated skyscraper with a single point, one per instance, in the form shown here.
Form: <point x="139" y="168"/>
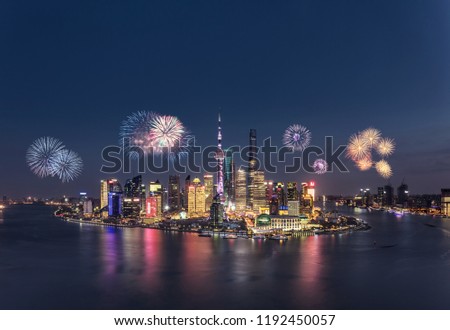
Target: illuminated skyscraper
<point x="251" y="167"/>
<point x="208" y="180"/>
<point x="228" y="178"/>
<point x="216" y="213"/>
<point x="114" y="204"/>
<point x="259" y="192"/>
<point x="196" y="199"/>
<point x="174" y="192"/>
<point x="107" y="186"/>
<point x="292" y="192"/>
<point x="134" y="197"/>
<point x="269" y="191"/>
<point x="219" y="158"/>
<point x="280" y="194"/>
<point x="241" y="190"/>
<point x="155" y="189"/>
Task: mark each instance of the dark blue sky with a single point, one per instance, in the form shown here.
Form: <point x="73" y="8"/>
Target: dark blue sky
<point x="75" y="69"/>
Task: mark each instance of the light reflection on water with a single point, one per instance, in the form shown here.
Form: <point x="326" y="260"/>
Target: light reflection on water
<point x="48" y="263"/>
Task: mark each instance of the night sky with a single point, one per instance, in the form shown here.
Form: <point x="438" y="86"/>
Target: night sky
<point x="75" y="69"/>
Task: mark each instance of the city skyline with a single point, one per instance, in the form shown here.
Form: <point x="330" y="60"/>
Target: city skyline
<point x="392" y="75"/>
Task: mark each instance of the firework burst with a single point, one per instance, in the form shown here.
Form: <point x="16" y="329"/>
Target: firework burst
<point x="297" y="137"/>
<point x="364" y="164"/>
<point x="154" y="133"/>
<point x="357" y="147"/>
<point x="383" y="168"/>
<point x="165" y="132"/>
<point x="320" y="166"/>
<point x="41" y="155"/>
<point x="371" y="136"/>
<point x="67" y="165"/>
<point x="385" y="147"/>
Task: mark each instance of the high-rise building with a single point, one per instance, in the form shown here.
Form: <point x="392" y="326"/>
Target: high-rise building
<point x="87" y="207"/>
<point x="156" y="189"/>
<point x="115" y="204"/>
<point x="269" y="191"/>
<point x="259" y="192"/>
<point x="153" y="207"/>
<point x="312" y="190"/>
<point x="292" y="191"/>
<point x="280" y="194"/>
<point x="241" y="190"/>
<point x="228" y="178"/>
<point x="208" y="181"/>
<point x="196" y="199"/>
<point x="380" y="195"/>
<point x="187" y="183"/>
<point x="134" y="197"/>
<point x="388" y="195"/>
<point x="251" y="167"/>
<point x="174" y="192"/>
<point x="402" y="194"/>
<point x="107" y="186"/>
<point x="216" y="213"/>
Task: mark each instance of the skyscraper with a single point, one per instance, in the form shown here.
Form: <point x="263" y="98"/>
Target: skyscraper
<point x="388" y="195"/>
<point x="209" y="190"/>
<point x="241" y="190"/>
<point x="114" y="204"/>
<point x="155" y="189"/>
<point x="107" y="186"/>
<point x="269" y="191"/>
<point x="174" y="192"/>
<point x="228" y="178"/>
<point x="134" y="197"/>
<point x="219" y="158"/>
<point x="196" y="199"/>
<point x="292" y="191"/>
<point x="251" y="167"/>
<point x="259" y="192"/>
<point x="402" y="194"/>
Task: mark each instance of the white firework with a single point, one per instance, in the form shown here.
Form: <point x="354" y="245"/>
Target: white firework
<point x="67" y="165"/>
<point x="372" y="136"/>
<point x="42" y="154"/>
<point x="297" y="137"/>
<point x="383" y="168"/>
<point x="385" y="147"/>
<point x="166" y="132"/>
<point x="357" y="147"/>
<point x="320" y="166"/>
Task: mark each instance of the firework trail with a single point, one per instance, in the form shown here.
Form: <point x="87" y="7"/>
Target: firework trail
<point x="297" y="137"/>
<point x="386" y="147"/>
<point x="357" y="147"/>
<point x="383" y="168"/>
<point x="67" y="165"/>
<point x="42" y="154"/>
<point x="320" y="166"/>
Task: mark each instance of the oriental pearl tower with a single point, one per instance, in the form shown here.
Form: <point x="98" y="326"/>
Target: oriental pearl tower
<point x="219" y="158"/>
